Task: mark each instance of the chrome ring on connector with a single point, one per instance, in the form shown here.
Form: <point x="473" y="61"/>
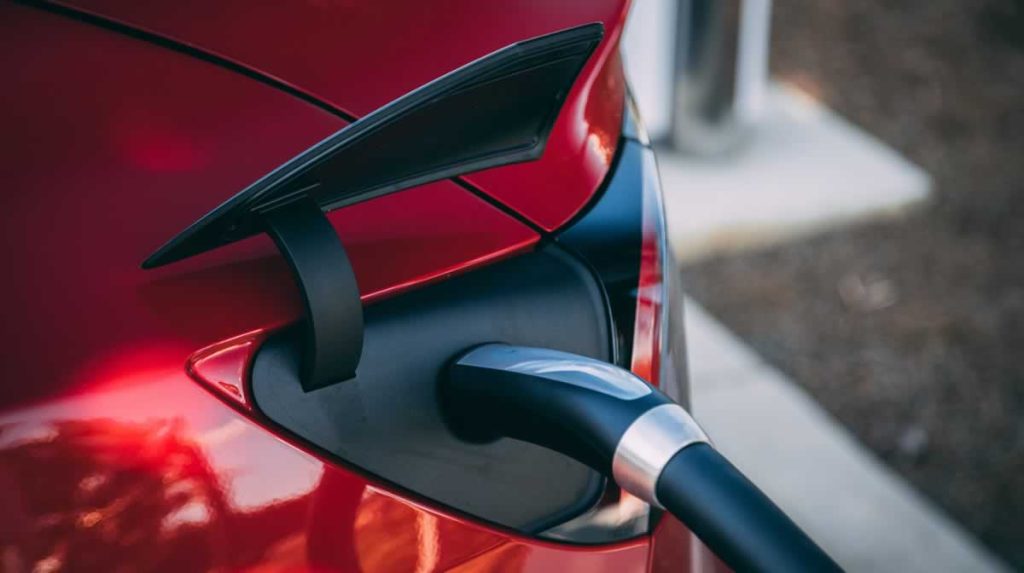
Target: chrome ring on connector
<point x="647" y="446"/>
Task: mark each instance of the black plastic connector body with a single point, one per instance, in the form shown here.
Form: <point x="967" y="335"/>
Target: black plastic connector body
<point x="584" y="419"/>
<point x="733" y="517"/>
<point x="614" y="422"/>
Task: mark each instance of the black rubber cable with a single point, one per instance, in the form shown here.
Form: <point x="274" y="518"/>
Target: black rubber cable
<point x="733" y="517"/>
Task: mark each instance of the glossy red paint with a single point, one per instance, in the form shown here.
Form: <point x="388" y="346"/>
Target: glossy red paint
<point x="86" y="202"/>
<point x="153" y="474"/>
<point x="148" y="472"/>
<point x="109" y="453"/>
<point x="358" y="55"/>
<point x="674" y="548"/>
<point x="629" y="557"/>
<point x="224" y="367"/>
<point x="111" y="456"/>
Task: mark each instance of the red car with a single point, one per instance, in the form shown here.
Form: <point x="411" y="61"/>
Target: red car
<point x="246" y="242"/>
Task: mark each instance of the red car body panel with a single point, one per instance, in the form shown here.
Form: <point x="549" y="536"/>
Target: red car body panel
<point x="111" y="456"/>
<point x="145" y="157"/>
<point x="358" y="55"/>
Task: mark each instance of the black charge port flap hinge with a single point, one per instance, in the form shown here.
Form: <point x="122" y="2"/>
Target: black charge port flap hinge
<point x="333" y="332"/>
<point x="333" y="326"/>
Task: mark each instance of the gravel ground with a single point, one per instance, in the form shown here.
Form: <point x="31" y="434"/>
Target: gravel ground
<point x="910" y="332"/>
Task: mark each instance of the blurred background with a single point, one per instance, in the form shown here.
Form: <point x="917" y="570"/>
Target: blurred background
<point x="844" y="185"/>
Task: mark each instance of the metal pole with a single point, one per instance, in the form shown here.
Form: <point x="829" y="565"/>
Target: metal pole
<point x="721" y="67"/>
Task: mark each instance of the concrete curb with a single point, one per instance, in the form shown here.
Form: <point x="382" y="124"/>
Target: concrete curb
<point x="862" y="513"/>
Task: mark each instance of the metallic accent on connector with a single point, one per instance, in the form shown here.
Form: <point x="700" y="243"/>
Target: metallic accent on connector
<point x="579" y="371"/>
<point x="647" y="446"/>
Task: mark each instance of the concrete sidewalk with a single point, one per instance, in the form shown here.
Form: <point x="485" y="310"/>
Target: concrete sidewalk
<point x="804" y="170"/>
<point x="864" y="515"/>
